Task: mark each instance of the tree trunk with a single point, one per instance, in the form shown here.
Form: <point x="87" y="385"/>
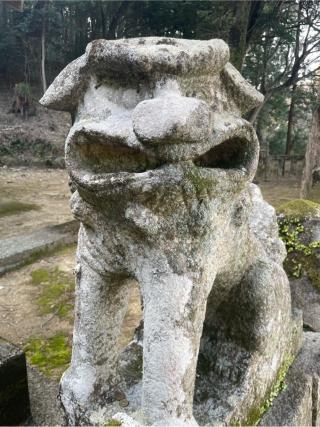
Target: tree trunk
<point x="238" y="33"/>
<point x="116" y="18"/>
<point x="264" y="148"/>
<point x="43" y="47"/>
<point x="312" y="158"/>
<point x="289" y="140"/>
<point x="3" y="14"/>
<point x="103" y="20"/>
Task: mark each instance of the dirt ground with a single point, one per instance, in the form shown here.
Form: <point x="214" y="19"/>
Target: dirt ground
<point x="47" y="189"/>
<point x="20" y="317"/>
<point x="277" y="192"/>
<point x="36" y="301"/>
<point x="31" y="315"/>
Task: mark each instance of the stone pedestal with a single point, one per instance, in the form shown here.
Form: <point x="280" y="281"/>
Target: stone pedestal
<point x="14" y="396"/>
<point x="298" y="404"/>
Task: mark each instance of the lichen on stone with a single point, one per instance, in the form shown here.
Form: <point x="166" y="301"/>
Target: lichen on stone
<point x="278" y="386"/>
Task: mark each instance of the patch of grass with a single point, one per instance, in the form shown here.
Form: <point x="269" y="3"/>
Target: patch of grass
<point x="13" y="207"/>
<point x="40" y="276"/>
<point x="57" y="291"/>
<point x="51" y="355"/>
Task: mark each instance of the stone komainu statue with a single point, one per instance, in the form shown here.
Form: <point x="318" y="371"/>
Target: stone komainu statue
<point x="162" y="164"/>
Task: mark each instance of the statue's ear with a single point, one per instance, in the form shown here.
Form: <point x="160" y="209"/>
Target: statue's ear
<point x="65" y="91"/>
<point x="244" y="96"/>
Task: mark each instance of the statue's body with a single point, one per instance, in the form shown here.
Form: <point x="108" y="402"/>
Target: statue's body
<point x="161" y="163"/>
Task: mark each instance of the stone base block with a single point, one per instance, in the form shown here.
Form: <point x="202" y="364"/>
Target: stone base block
<point x="299" y="402"/>
<point x="14" y="395"/>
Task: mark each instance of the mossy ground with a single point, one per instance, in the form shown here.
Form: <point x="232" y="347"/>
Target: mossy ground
<point x="57" y="291"/>
<point x="50" y="355"/>
<point x="12" y="207"/>
<point x="300" y="209"/>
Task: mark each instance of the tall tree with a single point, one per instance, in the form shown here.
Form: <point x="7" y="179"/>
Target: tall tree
<point x="289" y="50"/>
<point x="312" y="157"/>
<point x="43" y="44"/>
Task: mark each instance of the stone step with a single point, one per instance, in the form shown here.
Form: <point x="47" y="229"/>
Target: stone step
<point x="19" y="250"/>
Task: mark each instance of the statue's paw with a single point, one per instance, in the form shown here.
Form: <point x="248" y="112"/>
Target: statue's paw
<point x="80" y="396"/>
<point x="176" y="422"/>
<point x="124" y="419"/>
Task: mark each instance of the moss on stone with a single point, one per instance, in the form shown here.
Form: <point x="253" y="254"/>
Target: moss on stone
<point x="113" y="422"/>
<point x="312" y="269"/>
<point x="57" y="291"/>
<point x="302" y="255"/>
<point x="279" y="385"/>
<point x="199" y="183"/>
<point x="51" y="355"/>
<point x="299" y="208"/>
<point x="299" y="263"/>
<point x="13" y="207"/>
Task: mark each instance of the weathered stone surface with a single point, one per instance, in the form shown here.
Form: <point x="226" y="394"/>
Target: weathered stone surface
<point x="17" y="250"/>
<point x="307" y="299"/>
<point x="161" y="163"/>
<point x="299" y="403"/>
<point x="14" y="396"/>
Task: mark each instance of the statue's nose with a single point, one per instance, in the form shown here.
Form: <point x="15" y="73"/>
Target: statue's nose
<point x="172" y="119"/>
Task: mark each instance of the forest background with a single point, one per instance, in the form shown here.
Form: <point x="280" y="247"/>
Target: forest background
<point x="275" y="44"/>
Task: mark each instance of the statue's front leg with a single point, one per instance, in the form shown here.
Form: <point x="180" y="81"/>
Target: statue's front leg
<point x="101" y="301"/>
<point x="174" y="309"/>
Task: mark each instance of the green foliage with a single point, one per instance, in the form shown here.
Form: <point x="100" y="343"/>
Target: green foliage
<point x="267" y="34"/>
<point x="57" y="291"/>
<point x="51" y="355"/>
<point x="302" y="257"/>
<point x="23" y="89"/>
<point x="39" y="148"/>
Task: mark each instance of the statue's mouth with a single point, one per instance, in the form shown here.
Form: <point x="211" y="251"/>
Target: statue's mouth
<point x="96" y="160"/>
